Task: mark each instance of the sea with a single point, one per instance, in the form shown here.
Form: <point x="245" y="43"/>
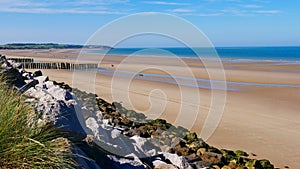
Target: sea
<point x="278" y="55"/>
<point x="233" y="54"/>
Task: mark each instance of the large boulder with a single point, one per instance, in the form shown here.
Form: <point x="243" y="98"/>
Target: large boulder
<point x="178" y="161"/>
<point x="123" y="163"/>
<point x="112" y="140"/>
<point x="37" y="73"/>
<point x="82" y="159"/>
<point x="59" y="108"/>
<point x="11" y="73"/>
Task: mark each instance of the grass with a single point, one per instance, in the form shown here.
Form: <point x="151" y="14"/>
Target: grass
<point x="23" y="142"/>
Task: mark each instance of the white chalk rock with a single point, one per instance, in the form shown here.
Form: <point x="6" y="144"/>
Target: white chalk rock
<point x="92" y="124"/>
<point x="115" y="133"/>
<point x="41" y="79"/>
<point x="56" y="106"/>
<point x="59" y="93"/>
<point x="162" y="165"/>
<point x="178" y="161"/>
<point x="122" y="163"/>
<point x="14" y="64"/>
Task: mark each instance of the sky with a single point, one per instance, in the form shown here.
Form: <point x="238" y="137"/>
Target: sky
<point x="224" y="22"/>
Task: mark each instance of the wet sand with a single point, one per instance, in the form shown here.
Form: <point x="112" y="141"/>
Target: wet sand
<point x="263" y="120"/>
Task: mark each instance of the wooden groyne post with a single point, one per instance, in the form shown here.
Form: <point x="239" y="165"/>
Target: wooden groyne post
<point x="29" y="63"/>
<point x="60" y="65"/>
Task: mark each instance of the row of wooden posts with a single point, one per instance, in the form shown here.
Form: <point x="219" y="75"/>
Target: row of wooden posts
<point x="60" y="65"/>
<point x="29" y="63"/>
<point x="22" y="60"/>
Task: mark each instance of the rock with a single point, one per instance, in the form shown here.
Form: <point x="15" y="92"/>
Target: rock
<point x="122" y="163"/>
<point x="229" y="155"/>
<point x="92" y="124"/>
<point x="175" y="141"/>
<point x="216" y="167"/>
<point x="26" y="75"/>
<point x="194" y="146"/>
<point x="55" y="107"/>
<point x="201" y="151"/>
<point x="266" y="164"/>
<point x="210" y="158"/>
<point x="143" y="132"/>
<point x="143" y="147"/>
<point x="115" y="133"/>
<point x="117" y="105"/>
<point x="243" y="160"/>
<point x="252" y="164"/>
<point x="213" y="149"/>
<point x="232" y="164"/>
<point x="182" y="151"/>
<point x="82" y="160"/>
<point x="4" y="64"/>
<point x="241" y="153"/>
<point x="30" y="83"/>
<point x="41" y="79"/>
<point x="180" y="131"/>
<point x="191" y="137"/>
<point x="13" y="77"/>
<point x="37" y="73"/>
<point x="126" y="122"/>
<point x="14" y="64"/>
<point x="178" y="161"/>
<point x="59" y="93"/>
<point x="162" y="165"/>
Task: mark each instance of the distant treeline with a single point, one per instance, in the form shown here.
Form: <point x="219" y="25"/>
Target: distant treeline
<point x="48" y="46"/>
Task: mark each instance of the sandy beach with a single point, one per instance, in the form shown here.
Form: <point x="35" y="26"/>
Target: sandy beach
<point x="261" y="114"/>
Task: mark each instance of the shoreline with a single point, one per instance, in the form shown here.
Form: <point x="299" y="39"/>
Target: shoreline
<point x="77" y="52"/>
<point x="223" y="53"/>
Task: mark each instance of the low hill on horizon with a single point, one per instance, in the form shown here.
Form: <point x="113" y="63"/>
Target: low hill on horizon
<point x="50" y="46"/>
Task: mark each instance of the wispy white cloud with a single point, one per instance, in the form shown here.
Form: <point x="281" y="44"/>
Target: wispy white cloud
<point x="235" y="12"/>
<point x="180" y="10"/>
<point x="164" y="3"/>
<point x="23" y="3"/>
<point x="99" y="2"/>
<point x="210" y="14"/>
<point x="223" y="0"/>
<point x="249" y="12"/>
<point x="57" y="11"/>
<point x="251" y="6"/>
<point x="205" y="8"/>
<point x="262" y="1"/>
<point x="242" y="7"/>
<point x="71" y="7"/>
<point x="268" y="11"/>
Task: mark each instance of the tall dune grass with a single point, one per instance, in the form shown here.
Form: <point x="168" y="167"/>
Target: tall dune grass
<point x="23" y="142"/>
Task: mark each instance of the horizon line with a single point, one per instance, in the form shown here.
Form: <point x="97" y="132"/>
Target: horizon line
<point x="217" y="46"/>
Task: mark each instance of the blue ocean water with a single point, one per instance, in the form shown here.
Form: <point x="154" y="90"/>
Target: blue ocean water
<point x="277" y="55"/>
<point x="244" y="53"/>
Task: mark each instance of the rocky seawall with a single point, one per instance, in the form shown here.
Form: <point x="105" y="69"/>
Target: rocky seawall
<point x="107" y="135"/>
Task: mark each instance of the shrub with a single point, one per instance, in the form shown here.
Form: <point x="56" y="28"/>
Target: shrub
<point x="23" y="142"/>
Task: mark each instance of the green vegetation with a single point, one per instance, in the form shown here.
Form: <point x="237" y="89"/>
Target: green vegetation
<point x="48" y="46"/>
<point x="23" y="142"/>
<point x="39" y="46"/>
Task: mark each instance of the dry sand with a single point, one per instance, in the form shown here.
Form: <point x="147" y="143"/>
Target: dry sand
<point x="260" y="120"/>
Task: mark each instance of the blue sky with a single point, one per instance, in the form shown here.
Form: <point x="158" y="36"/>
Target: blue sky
<point x="225" y="22"/>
